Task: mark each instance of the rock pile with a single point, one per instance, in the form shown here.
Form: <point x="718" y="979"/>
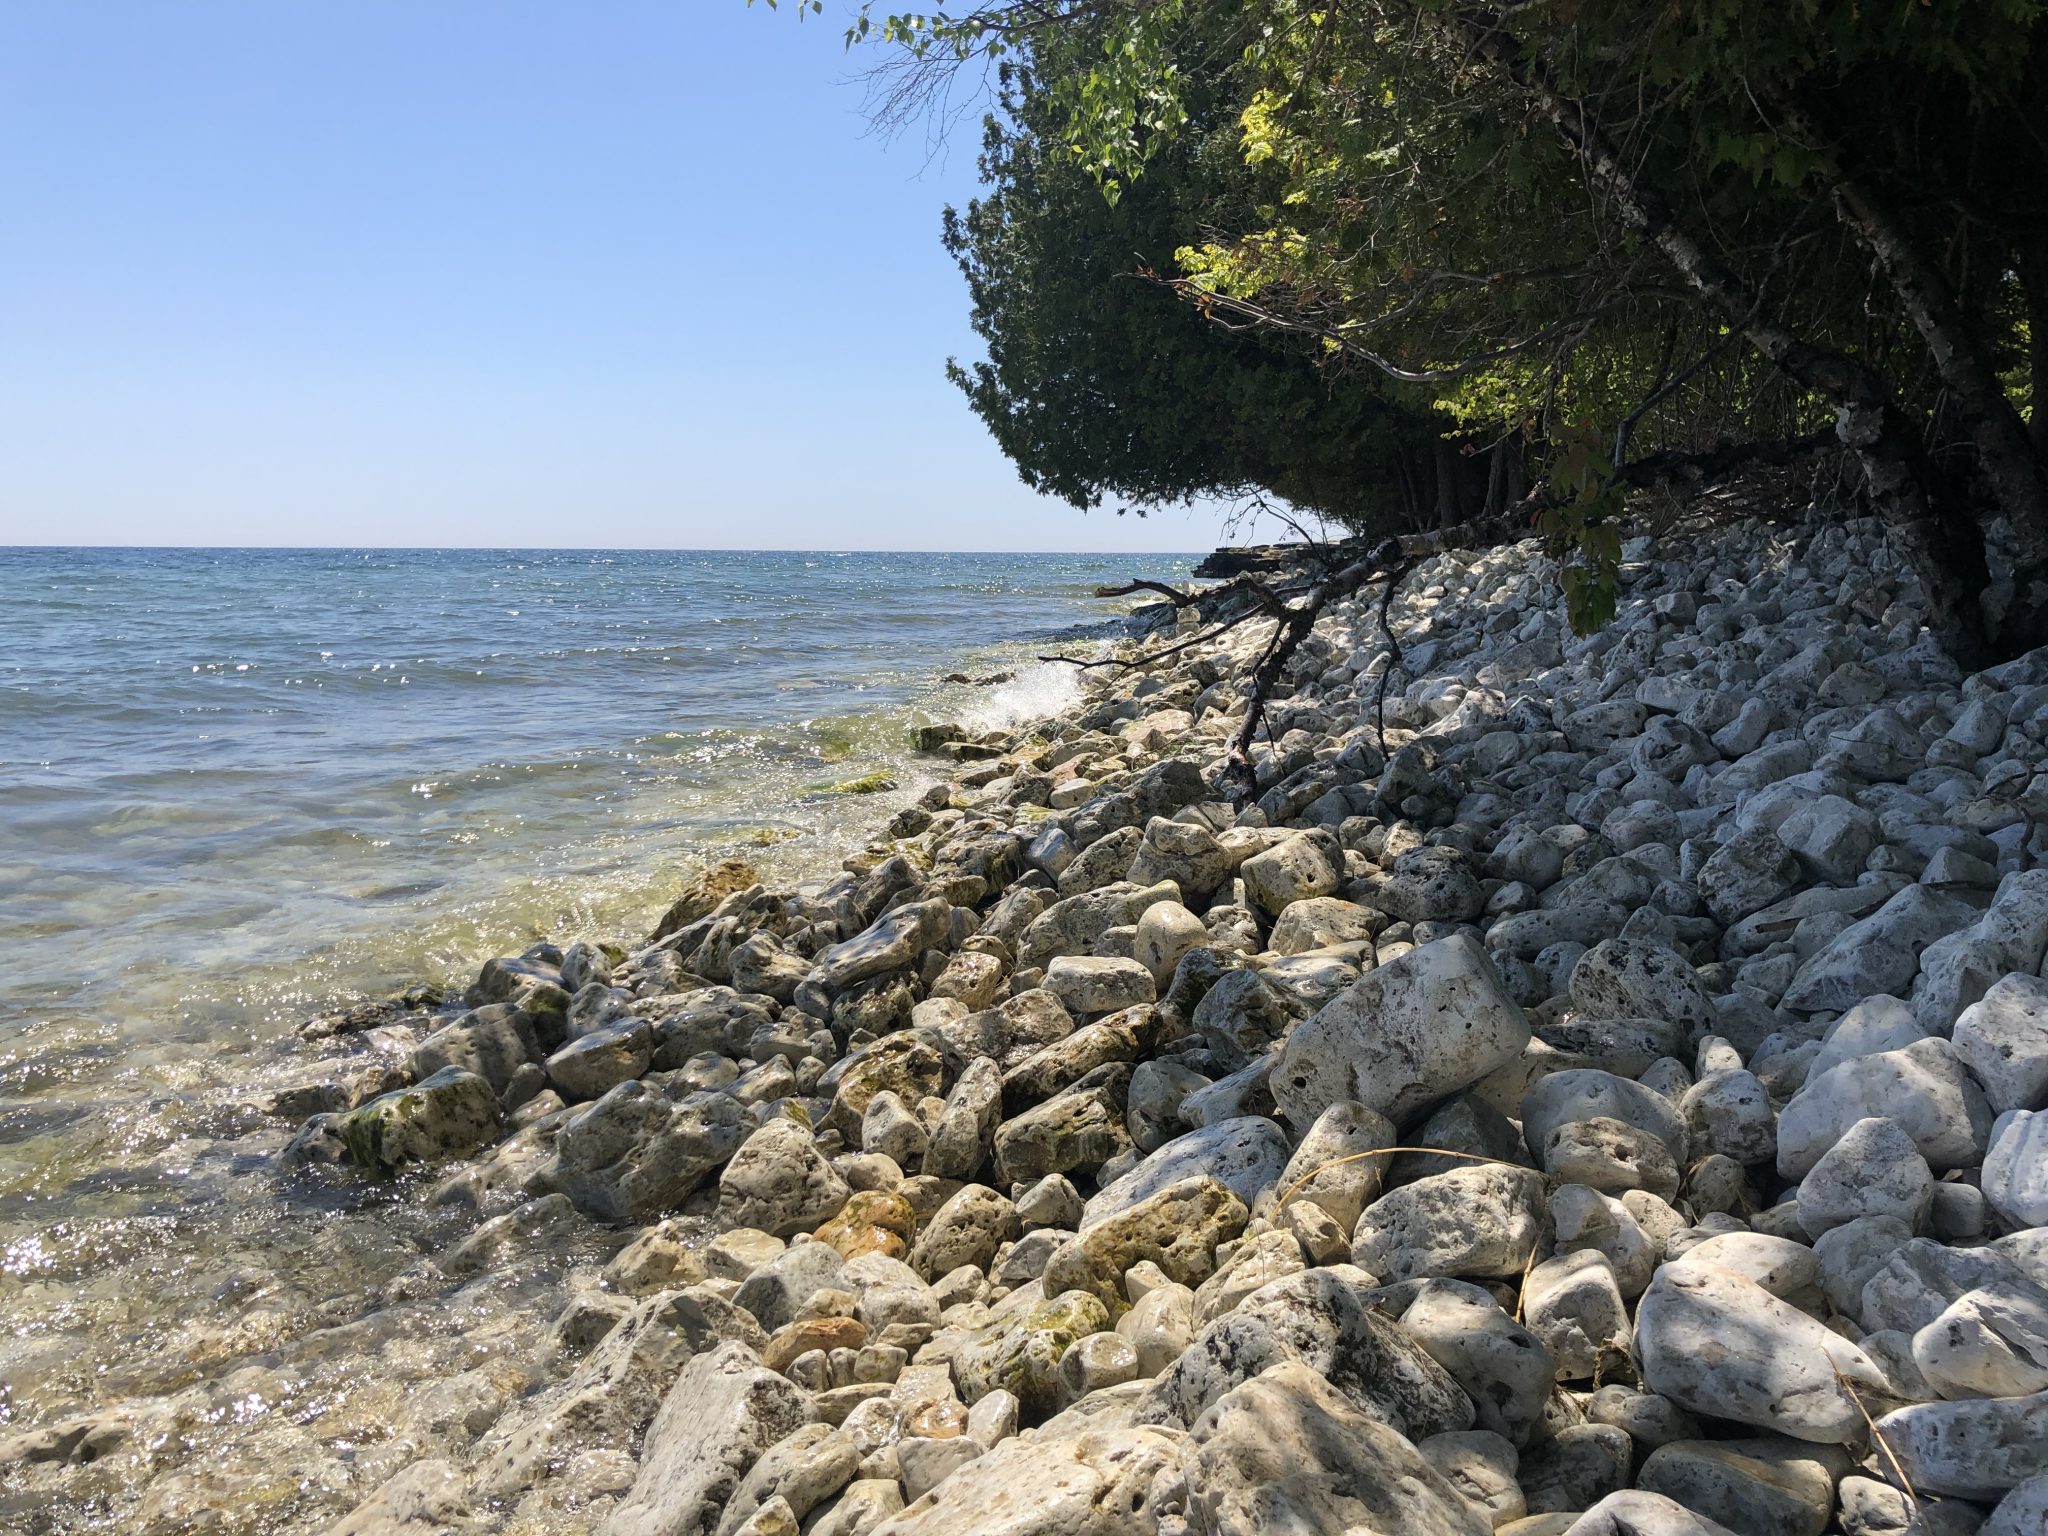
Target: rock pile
<point x="1620" y="1105"/>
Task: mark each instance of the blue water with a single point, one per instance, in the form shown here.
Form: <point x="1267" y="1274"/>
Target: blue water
<point x="237" y="787"/>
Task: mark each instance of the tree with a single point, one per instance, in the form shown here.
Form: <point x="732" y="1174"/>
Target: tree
<point x="1100" y="382"/>
<point x="1625" y="225"/>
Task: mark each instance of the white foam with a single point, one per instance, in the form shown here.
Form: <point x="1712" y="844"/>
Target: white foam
<point x="1038" y="691"/>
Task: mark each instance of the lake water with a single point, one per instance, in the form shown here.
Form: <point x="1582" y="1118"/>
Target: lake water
<point x="240" y="787"/>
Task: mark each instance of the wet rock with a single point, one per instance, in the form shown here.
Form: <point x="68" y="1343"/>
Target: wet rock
<point x="450" y="1114"/>
<point x="428" y="1498"/>
<point x="595" y="1062"/>
<point x="1418" y="1029"/>
<point x="635" y="1153"/>
<point x="613" y="1392"/>
<point x="892" y="943"/>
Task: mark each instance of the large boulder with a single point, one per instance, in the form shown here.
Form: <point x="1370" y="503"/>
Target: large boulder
<point x="1327" y="1320"/>
<point x="1881" y="953"/>
<point x="1973" y="1450"/>
<point x="1422" y="1027"/>
<point x="636" y="1153"/>
<point x="1245" y="1155"/>
<point x="1481" y="1220"/>
<point x="1178" y="1229"/>
<point x="724" y="1410"/>
<point x="1306" y="865"/>
<point x="1924" y="1089"/>
<point x="1718" y="1343"/>
<point x="1100" y="1482"/>
<point x="1287" y="1452"/>
<point x="451" y="1114"/>
<point x="779" y="1182"/>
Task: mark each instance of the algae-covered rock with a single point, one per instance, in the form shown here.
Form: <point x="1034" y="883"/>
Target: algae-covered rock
<point x="450" y="1114"/>
<point x="872" y="1221"/>
<point x="1021" y="1356"/>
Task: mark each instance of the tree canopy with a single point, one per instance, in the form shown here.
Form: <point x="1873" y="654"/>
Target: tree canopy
<point x="1609" y="230"/>
<point x="1100" y="381"/>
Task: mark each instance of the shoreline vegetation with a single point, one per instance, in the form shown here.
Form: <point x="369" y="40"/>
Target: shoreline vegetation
<point x="1588" y="1084"/>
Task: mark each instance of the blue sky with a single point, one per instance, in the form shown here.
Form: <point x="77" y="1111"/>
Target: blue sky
<point x="483" y="272"/>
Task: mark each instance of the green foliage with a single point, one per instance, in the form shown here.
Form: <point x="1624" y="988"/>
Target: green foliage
<point x="1100" y="383"/>
<point x="1580" y="526"/>
<point x="1411" y="208"/>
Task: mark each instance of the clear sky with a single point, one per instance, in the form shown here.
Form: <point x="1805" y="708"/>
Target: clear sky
<point x="483" y="272"/>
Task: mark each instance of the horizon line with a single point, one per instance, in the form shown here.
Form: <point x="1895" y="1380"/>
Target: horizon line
<point x="578" y="549"/>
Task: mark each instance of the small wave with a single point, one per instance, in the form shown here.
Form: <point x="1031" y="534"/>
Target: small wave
<point x="1040" y="690"/>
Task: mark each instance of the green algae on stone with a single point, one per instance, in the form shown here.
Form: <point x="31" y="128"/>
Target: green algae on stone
<point x="449" y="1114"/>
<point x="874" y="783"/>
<point x="1022" y="1356"/>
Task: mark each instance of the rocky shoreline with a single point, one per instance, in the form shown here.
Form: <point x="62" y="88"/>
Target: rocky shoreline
<point x="1615" y="1107"/>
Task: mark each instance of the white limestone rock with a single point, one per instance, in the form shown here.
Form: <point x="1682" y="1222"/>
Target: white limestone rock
<point x="724" y="1410"/>
<point x="1420" y="1028"/>
<point x="2003" y="1039"/>
<point x="1723" y="1346"/>
<point x="1287" y="1452"/>
<point x="1923" y="1088"/>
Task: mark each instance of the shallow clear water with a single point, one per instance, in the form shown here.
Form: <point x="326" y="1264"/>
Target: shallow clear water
<point x="239" y="787"/>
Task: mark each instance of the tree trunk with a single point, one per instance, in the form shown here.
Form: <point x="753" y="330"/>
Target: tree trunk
<point x="2012" y="468"/>
<point x="1447" y="499"/>
<point x="1496" y="479"/>
<point x="1936" y="534"/>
